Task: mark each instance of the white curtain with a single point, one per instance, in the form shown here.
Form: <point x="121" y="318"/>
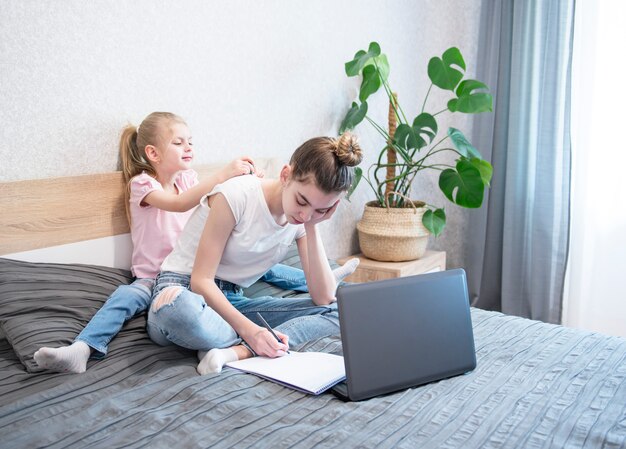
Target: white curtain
<point x="595" y="290"/>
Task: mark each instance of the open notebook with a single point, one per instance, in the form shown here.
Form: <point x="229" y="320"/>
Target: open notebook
<point x="309" y="372"/>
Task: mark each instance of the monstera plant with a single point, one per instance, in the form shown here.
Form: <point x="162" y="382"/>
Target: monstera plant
<point x="412" y="142"/>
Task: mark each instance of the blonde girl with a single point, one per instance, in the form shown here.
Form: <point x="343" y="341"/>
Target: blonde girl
<point x="162" y="192"/>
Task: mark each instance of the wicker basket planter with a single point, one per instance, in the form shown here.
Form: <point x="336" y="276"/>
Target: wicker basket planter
<point x="393" y="234"/>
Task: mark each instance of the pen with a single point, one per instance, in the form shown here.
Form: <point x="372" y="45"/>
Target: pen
<point x="267" y="326"/>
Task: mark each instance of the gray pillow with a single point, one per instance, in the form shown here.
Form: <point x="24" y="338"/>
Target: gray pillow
<point x="45" y="304"/>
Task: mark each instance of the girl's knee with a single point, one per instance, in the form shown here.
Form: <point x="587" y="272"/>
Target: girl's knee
<point x="166" y="296"/>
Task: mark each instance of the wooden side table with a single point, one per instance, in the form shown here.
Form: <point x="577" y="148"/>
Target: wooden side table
<point x="374" y="270"/>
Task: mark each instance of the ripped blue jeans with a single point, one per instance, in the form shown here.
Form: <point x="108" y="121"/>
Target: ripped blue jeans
<point x="189" y="322"/>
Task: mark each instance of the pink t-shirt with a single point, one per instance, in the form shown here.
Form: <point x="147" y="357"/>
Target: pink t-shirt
<point x="154" y="231"/>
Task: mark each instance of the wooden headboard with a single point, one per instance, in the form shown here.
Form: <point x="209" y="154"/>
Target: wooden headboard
<point x="49" y="212"/>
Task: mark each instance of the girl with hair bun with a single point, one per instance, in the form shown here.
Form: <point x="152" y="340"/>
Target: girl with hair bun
<point x="242" y="228"/>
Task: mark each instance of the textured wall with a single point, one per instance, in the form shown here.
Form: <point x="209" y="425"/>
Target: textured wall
<point x="250" y="77"/>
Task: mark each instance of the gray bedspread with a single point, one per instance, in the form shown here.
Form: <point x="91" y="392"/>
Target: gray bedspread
<point x="536" y="385"/>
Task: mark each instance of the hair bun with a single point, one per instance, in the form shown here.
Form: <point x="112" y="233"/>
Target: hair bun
<point x="347" y="150"/>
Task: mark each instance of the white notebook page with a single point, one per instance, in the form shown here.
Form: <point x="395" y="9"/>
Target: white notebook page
<point x="310" y="372"/>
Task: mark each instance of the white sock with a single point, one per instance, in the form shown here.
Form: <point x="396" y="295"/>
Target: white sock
<point x="215" y="359"/>
<point x="346" y="269"/>
<point x="66" y="359"/>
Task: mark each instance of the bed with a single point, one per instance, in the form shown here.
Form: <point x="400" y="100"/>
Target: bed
<point x="535" y="385"/>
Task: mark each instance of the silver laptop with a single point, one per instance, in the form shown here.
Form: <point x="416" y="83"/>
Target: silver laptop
<point x="404" y="332"/>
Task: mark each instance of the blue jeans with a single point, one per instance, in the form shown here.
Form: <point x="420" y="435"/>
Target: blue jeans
<point x="286" y="277"/>
<point x="189" y="322"/>
<point x="126" y="302"/>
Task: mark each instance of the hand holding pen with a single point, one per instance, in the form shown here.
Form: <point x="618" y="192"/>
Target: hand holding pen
<point x="285" y="339"/>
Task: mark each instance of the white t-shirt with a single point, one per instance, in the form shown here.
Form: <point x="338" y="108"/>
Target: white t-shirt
<point x="256" y="243"/>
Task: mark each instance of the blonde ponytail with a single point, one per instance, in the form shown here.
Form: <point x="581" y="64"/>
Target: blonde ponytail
<point x="133" y="159"/>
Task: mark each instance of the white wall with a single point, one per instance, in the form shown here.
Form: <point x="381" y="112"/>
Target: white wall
<point x="249" y="77"/>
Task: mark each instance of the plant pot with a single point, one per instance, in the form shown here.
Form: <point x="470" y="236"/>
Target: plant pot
<point x="392" y="234"/>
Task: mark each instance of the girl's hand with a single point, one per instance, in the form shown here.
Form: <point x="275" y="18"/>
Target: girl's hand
<point x="240" y="166"/>
<point x="259" y="172"/>
<point x="264" y="343"/>
<point x="318" y="218"/>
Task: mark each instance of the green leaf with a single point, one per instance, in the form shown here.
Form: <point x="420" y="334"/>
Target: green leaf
<point x="361" y="58"/>
<point x="471" y="153"/>
<point x="463" y="186"/>
<point x="371" y="82"/>
<point x="381" y="64"/>
<point x="355" y="115"/>
<point x="434" y="221"/>
<point x="472" y="98"/>
<point x="406" y="137"/>
<point x="441" y="71"/>
<point x="466" y="87"/>
<point x="420" y="134"/>
<point x="485" y="169"/>
<point x="462" y="144"/>
<point x="425" y="125"/>
<point x="358" y="174"/>
<point x="373" y="66"/>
